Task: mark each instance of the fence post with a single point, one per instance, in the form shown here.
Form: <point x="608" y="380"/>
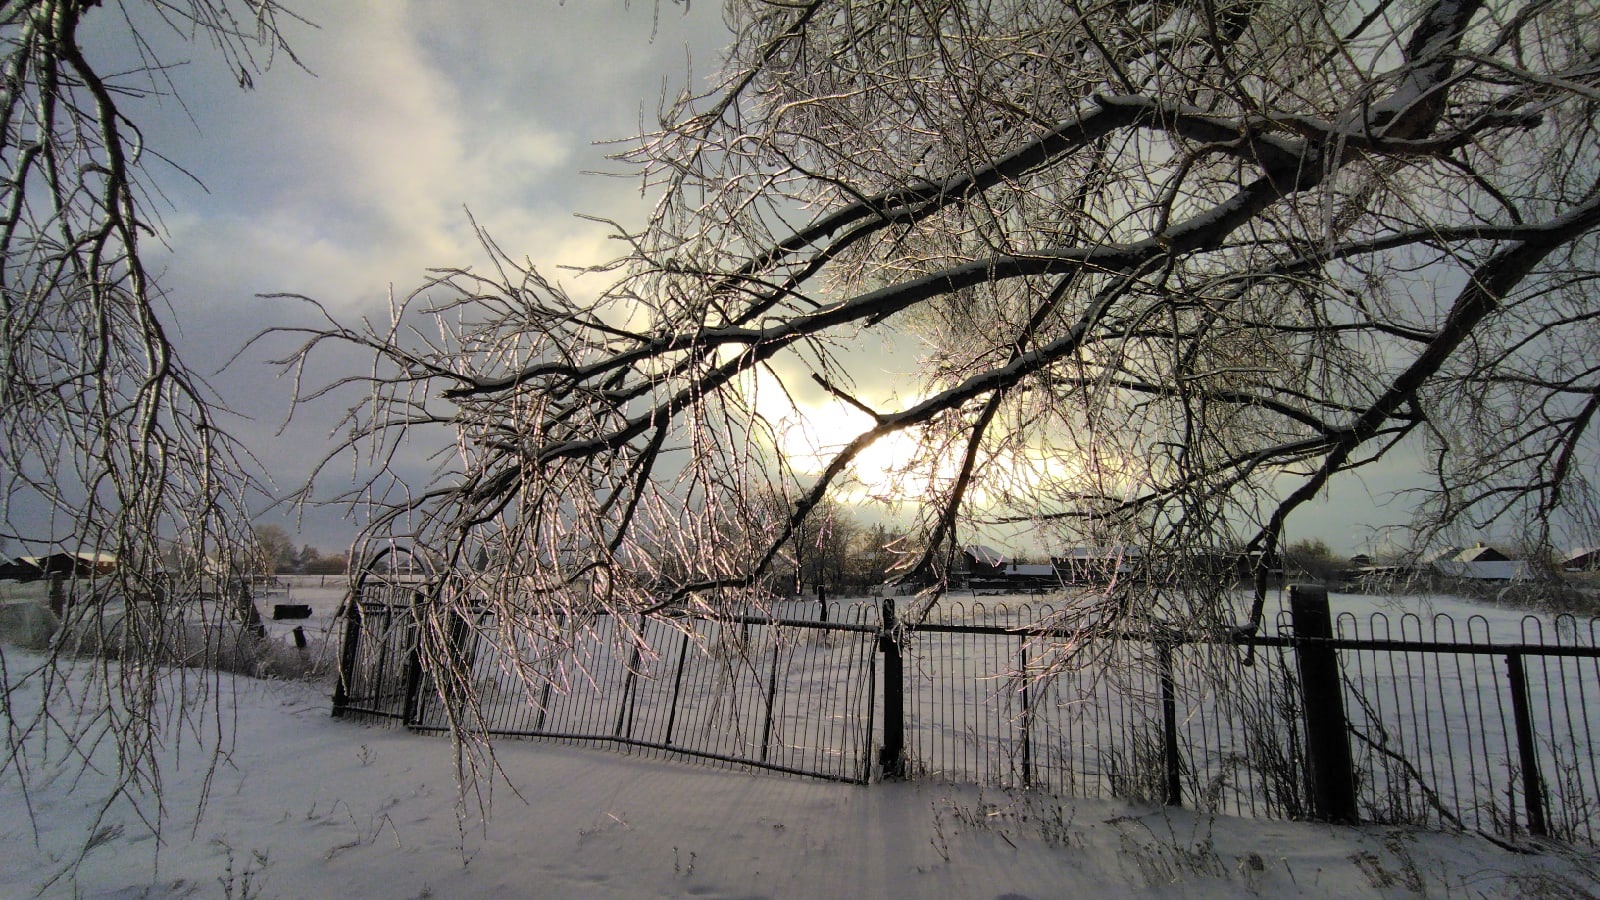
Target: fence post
<point x="348" y="654"/>
<point x="1532" y="784"/>
<point x="892" y="756"/>
<point x="1333" y="789"/>
<point x="58" y="594"/>
<point x="772" y="690"/>
<point x="677" y="686"/>
<point x="625" y="712"/>
<point x="549" y="680"/>
<point x="413" y="695"/>
<point x="458" y="675"/>
<point x="460" y="631"/>
<point x="1169" y="725"/>
<point x="1027" y="714"/>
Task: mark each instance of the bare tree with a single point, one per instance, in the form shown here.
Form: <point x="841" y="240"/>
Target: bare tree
<point x="273" y="551"/>
<point x="1176" y="267"/>
<point x="1312" y="558"/>
<point x="874" y="556"/>
<point x="108" y="443"/>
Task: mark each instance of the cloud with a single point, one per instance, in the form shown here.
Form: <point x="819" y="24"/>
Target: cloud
<point x="416" y="113"/>
<point x="344" y="183"/>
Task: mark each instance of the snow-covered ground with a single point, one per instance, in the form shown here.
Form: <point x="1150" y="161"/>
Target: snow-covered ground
<point x="307" y="806"/>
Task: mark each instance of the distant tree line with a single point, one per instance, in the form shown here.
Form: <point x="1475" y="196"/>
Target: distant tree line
<point x="275" y="553"/>
<point x="1312" y="558"/>
<point x="842" y="555"/>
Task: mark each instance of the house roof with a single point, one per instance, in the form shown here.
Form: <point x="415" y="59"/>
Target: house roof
<point x="1476" y="553"/>
<point x="986" y="555"/>
<point x="82" y="563"/>
<point x="1448" y="553"/>
<point x="21" y="570"/>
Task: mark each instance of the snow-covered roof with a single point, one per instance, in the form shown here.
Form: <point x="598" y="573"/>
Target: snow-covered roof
<point x="986" y="555"/>
<point x="1481" y="553"/>
<point x="1448" y="553"/>
<point x="96" y="557"/>
<point x="1476" y="553"/>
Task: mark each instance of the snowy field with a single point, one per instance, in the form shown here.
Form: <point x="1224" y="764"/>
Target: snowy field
<point x="306" y="806"/>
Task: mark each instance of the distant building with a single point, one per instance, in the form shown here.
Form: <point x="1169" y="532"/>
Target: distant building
<point x="987" y="569"/>
<point x="1478" y="563"/>
<point x="980" y="558"/>
<point x="1586" y="559"/>
<point x="980" y="563"/>
<point x="1030" y="577"/>
<point x="82" y="564"/>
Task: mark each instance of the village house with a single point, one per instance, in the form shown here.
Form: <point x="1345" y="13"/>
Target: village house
<point x="1479" y="562"/>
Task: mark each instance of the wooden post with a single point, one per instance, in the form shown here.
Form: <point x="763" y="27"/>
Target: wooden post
<point x="463" y="655"/>
<point x="892" y="756"/>
<point x="772" y="691"/>
<point x="245" y="605"/>
<point x="1333" y="788"/>
<point x="544" y="692"/>
<point x="412" y="710"/>
<point x="677" y="686"/>
<point x="58" y="594"/>
<point x="630" y="682"/>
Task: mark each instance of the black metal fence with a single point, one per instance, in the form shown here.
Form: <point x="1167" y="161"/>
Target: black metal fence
<point x="788" y="695"/>
<point x="1401" y="720"/>
<point x="1449" y="728"/>
<point x="1409" y="720"/>
<point x="993" y="700"/>
<point x="379" y="674"/>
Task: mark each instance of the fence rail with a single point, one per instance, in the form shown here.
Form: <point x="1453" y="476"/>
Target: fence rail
<point x="1400" y="720"/>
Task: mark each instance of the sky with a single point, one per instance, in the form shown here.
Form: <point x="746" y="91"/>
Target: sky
<point x="352" y="174"/>
<point x="349" y="176"/>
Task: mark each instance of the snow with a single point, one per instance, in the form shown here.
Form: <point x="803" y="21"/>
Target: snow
<point x="304" y="805"/>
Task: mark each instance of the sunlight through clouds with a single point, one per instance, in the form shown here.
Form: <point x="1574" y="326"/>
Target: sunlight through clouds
<point x="808" y="433"/>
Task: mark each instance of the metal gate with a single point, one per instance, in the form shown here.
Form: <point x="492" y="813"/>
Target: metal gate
<point x="785" y="694"/>
<point x="379" y="673"/>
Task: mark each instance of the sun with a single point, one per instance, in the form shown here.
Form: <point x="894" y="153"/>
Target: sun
<point x="810" y="432"/>
<point x="810" y="435"/>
